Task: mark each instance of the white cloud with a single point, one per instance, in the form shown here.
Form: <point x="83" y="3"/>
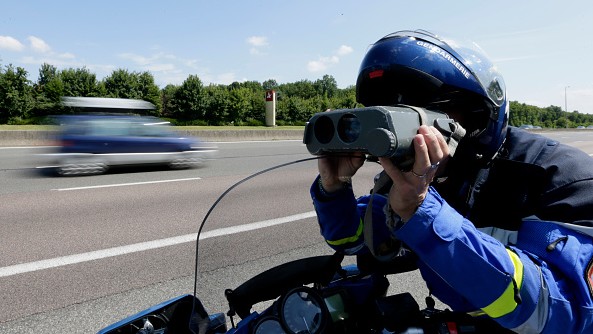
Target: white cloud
<point x="38" y="45"/>
<point x="257" y="43"/>
<point x="10" y="43"/>
<point x="42" y="54"/>
<point x="226" y="78"/>
<point x="67" y="55"/>
<point x="580" y="99"/>
<point x="138" y="59"/>
<point x="160" y="67"/>
<point x="191" y="63"/>
<point x="316" y="66"/>
<point x="509" y="59"/>
<point x="159" y="62"/>
<point x="322" y="63"/>
<point x="255" y="52"/>
<point x="173" y="78"/>
<point x="102" y="69"/>
<point x="344" y="50"/>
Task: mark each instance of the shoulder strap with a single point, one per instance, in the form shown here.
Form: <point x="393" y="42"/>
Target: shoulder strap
<point x="381" y="182"/>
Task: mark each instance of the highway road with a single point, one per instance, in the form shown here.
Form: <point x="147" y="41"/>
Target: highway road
<point x="78" y="253"/>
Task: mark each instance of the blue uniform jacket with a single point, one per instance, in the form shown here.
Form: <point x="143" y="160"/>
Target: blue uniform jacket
<point x="519" y="250"/>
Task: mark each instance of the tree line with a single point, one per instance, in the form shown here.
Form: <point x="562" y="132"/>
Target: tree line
<point x="193" y="103"/>
<point x="549" y="117"/>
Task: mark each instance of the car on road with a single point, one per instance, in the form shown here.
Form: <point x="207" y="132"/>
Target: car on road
<point x="92" y="143"/>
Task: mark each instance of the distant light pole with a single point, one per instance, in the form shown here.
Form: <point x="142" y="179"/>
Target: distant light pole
<point x="565" y="99"/>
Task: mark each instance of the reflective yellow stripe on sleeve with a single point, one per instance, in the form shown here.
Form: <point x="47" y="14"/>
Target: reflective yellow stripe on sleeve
<point x="506" y="303"/>
<point x="348" y="239"/>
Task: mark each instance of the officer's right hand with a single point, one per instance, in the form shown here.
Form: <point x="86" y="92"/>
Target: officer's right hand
<point x="409" y="189"/>
<point x="334" y="170"/>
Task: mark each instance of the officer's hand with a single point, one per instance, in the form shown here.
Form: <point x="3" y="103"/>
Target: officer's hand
<point x="337" y="169"/>
<point x="409" y="188"/>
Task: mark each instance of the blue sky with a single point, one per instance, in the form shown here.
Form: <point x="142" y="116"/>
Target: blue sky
<point x="543" y="48"/>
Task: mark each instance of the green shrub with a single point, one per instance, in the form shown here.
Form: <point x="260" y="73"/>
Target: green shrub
<point x="16" y="121"/>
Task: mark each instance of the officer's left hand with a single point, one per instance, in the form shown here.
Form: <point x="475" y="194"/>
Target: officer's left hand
<point x="409" y="188"/>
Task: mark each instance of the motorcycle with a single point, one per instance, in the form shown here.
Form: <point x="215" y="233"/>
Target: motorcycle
<point x="316" y="294"/>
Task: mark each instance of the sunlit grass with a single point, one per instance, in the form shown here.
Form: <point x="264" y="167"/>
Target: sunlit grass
<point x="5" y="127"/>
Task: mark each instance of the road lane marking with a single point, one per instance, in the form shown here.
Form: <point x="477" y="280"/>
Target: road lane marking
<point x="256" y="141"/>
<point x="143" y="246"/>
<point x="126" y="184"/>
<point x="214" y="142"/>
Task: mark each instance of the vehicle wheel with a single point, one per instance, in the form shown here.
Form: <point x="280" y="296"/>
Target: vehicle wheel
<point x="75" y="169"/>
<point x="184" y="163"/>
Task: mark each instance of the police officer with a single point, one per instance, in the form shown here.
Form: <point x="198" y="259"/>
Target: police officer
<point x="501" y="228"/>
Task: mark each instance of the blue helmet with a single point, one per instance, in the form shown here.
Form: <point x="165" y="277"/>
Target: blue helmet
<point x="421" y="69"/>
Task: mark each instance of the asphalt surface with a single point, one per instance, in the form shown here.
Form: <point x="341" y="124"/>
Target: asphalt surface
<point x="79" y="253"/>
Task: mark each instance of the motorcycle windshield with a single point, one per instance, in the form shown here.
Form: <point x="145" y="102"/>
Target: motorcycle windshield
<point x="261" y="223"/>
<point x="259" y="237"/>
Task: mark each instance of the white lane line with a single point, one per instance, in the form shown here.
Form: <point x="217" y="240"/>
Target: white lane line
<point x="142" y="246"/>
<point x="255" y="141"/>
<point x="22" y="147"/>
<point x="213" y="142"/>
<point x="126" y="184"/>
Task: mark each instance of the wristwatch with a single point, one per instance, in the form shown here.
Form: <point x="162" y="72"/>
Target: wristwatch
<point x="325" y="193"/>
<point x="394" y="221"/>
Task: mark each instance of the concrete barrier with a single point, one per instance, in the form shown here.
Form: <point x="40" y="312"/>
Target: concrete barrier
<point x="26" y="137"/>
<point x="244" y="135"/>
<point x="43" y="137"/>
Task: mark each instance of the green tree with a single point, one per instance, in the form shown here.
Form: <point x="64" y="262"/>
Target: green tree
<point x="16" y="95"/>
<point x="189" y="100"/>
<point x="134" y="85"/>
<point x="303" y="89"/>
<point x="345" y="99"/>
<point x="563" y="122"/>
<point x="168" y="100"/>
<point x="121" y="84"/>
<point x="240" y="104"/>
<point x="270" y="84"/>
<point x="327" y="86"/>
<point x="47" y="73"/>
<point x="257" y="110"/>
<point x="47" y="91"/>
<point x="79" y="82"/>
<point x="292" y="110"/>
<point x="217" y="106"/>
<point x="248" y="98"/>
<point x="149" y="91"/>
<point x="550" y="115"/>
<point x="520" y="114"/>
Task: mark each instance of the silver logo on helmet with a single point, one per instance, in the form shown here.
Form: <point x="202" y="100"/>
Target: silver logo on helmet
<point x="447" y="56"/>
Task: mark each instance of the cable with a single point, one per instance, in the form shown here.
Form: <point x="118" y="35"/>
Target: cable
<point x="367" y="158"/>
<point x="212" y="208"/>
